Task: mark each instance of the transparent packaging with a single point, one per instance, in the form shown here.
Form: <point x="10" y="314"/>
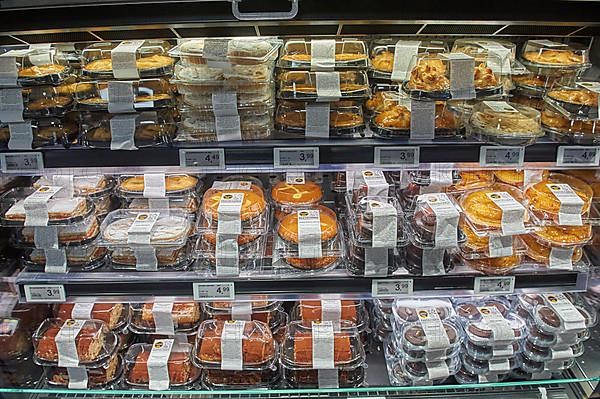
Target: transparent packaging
<point x="522" y="97"/>
<point x="548" y="58"/>
<point x="463" y="376"/>
<point x="415" y="344"/>
<point x="494" y="266"/>
<point x="565" y="127"/>
<point x="383" y="52"/>
<point x="181" y="370"/>
<point x="176" y="185"/>
<point x="406" y="310"/>
<point x="92" y="186"/>
<point x="43" y="66"/>
<point x="347" y="377"/>
<point x="115" y="315"/>
<point x="167" y="258"/>
<point x="147" y="94"/>
<point x="349" y="53"/>
<point x="531" y="366"/>
<point x="540" y="354"/>
<point x="258" y="303"/>
<point x="549" y="321"/>
<point x="171" y="229"/>
<point x="421" y="373"/>
<point x="479" y="48"/>
<point x="361" y="263"/>
<point x="186" y="317"/>
<point x="95" y="344"/>
<point x="483" y="332"/>
<point x="385" y="98"/>
<point x="14" y="338"/>
<point x="187" y="204"/>
<point x="233" y="379"/>
<point x="351" y="311"/>
<point x="467" y="308"/>
<point x="505" y="124"/>
<point x="258" y="347"/>
<point x="97" y="378"/>
<point x="345" y="118"/>
<point x="575" y="100"/>
<point x="302" y="85"/>
<point x="471" y="180"/>
<point x="79" y="258"/>
<point x="48" y="132"/>
<point x="424" y="222"/>
<point x="45" y="101"/>
<point x="484" y="353"/>
<point x="207" y="96"/>
<point x="532" y="84"/>
<point x="152" y="59"/>
<point x="273" y="316"/>
<point x="424" y="260"/>
<point x="483" y="367"/>
<point x="477" y="247"/>
<point x="151" y="128"/>
<point x="515" y="178"/>
<point x="364" y="217"/>
<point x="540" y="252"/>
<point x="364" y="183"/>
<point x="73" y="235"/>
<point x="250" y="252"/>
<point x="189" y="71"/>
<point x="287" y="195"/>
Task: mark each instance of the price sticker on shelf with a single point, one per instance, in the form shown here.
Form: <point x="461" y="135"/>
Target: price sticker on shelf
<point x="494" y="285"/>
<point x="44" y="293"/>
<point x="296" y="157"/>
<point x="501" y="156"/>
<point x="214" y="291"/>
<point x="391" y="288"/>
<point x="403" y="157"/>
<point x="578" y="156"/>
<point x="205" y="158"/>
<point x="22" y="162"/>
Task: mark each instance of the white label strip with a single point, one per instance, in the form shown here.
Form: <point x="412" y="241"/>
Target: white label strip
<point x="309" y="234"/>
<point x="229" y="213"/>
<point x="384" y="224"/>
<point x="569" y="315"/>
<point x="21" y="136"/>
<point x="404" y="53"/>
<point x="376" y="262"/>
<point x="162" y="313"/>
<point x="328" y="379"/>
<point x="462" y="85"/>
<point x="8" y="70"/>
<point x="317" y="120"/>
<point x="241" y="311"/>
<point x="67" y="184"/>
<point x="78" y="377"/>
<point x="499" y="246"/>
<point x="446" y="220"/>
<point x="66" y="344"/>
<point x="120" y="97"/>
<point x="41" y="54"/>
<point x="561" y="353"/>
<point x="139" y="232"/>
<point x="36" y="206"/>
<point x="377" y="185"/>
<point x="500" y="107"/>
<point x="122" y="132"/>
<point x="157" y="364"/>
<point x="499" y="365"/>
<point x="571" y="204"/>
<point x="56" y="260"/>
<point x="322" y="55"/>
<point x="154" y="185"/>
<point x="513" y="213"/>
<point x="45" y="237"/>
<point x="331" y="310"/>
<point x="215" y="53"/>
<point x="124" y="58"/>
<point x="498" y="58"/>
<point x="503" y="351"/>
<point x="82" y="311"/>
<point x="11" y="105"/>
<point x="502" y="332"/>
<point x="437" y="370"/>
<point x="227" y="255"/>
<point x="432" y="262"/>
<point x="145" y="258"/>
<point x="422" y="120"/>
<point x="295" y="178"/>
<point x="328" y="86"/>
<point x="322" y="345"/>
<point x="561" y="258"/>
<point x="228" y="128"/>
<point x="225" y="103"/>
<point x="437" y="338"/>
<point x="231" y="345"/>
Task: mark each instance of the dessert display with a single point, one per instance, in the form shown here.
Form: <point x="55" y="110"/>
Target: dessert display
<point x="514" y="178"/>
<point x="232" y="97"/>
<point x="99" y="377"/>
<point x="188" y="204"/>
<point x="569" y="128"/>
<point x="469" y="180"/>
<point x="294" y="192"/>
<point x="176" y="185"/>
<point x="146" y="94"/>
<point x="306" y="85"/>
<point x="38" y="66"/>
<point x="115" y="315"/>
<point x="185" y="317"/>
<point x="341" y="53"/>
<point x="75" y="234"/>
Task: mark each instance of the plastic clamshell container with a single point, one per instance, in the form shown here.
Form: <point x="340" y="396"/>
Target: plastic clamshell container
<point x="176" y="185"/>
<point x="152" y="59"/>
<point x="540" y="253"/>
<point x="548" y="58"/>
<point x="533" y="85"/>
<point x="479" y="352"/>
<point x="186" y="317"/>
<point x="351" y="311"/>
<point x="347" y="377"/>
<point x="412" y="339"/>
<point x="540" y="354"/>
<point x="419" y="372"/>
<point x="576" y="100"/>
<point x="463" y="376"/>
<point x="494" y="266"/>
<point x="531" y="366"/>
<point x="92" y="186"/>
<point x="171" y="229"/>
<point x="296" y="349"/>
<point x="521" y="97"/>
<point x="187" y="204"/>
<point x="480" y="332"/>
<point x="151" y="128"/>
<point x="418" y="261"/>
<point x="361" y="184"/>
<point x="422" y="224"/>
<point x="548" y="321"/>
<point x="480" y="48"/>
<point x="383" y="51"/>
<point x="233" y="379"/>
<point x="362" y="217"/>
<point x="43" y="66"/>
<point x="483" y="367"/>
<point x="167" y="258"/>
<point x="182" y="371"/>
<point x="287" y="195"/>
<point x="115" y="315"/>
<point x="61" y="211"/>
<point x="272" y="316"/>
<point x="194" y="73"/>
<point x="505" y="123"/>
<point x="15" y="339"/>
<point x="48" y="132"/>
<point x="384" y="99"/>
<point x="471" y="180"/>
<point x="147" y="94"/>
<point x="76" y="234"/>
<point x="95" y="343"/>
<point x="202" y="96"/>
<point x="477" y="247"/>
<point x="251" y="251"/>
<point x="406" y="310"/>
<point x="257" y="301"/>
<point x="302" y="85"/>
<point x="565" y="127"/>
<point x="84" y="258"/>
<point x="99" y="377"/>
<point x="258" y="347"/>
<point x="564" y="236"/>
<point x="358" y="261"/>
<point x="345" y="118"/>
<point x="467" y="308"/>
<point x="349" y="53"/>
<point x="45" y="101"/>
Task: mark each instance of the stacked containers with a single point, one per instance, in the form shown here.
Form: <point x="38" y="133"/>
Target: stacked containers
<point x="124" y="99"/>
<point x="226" y="87"/>
<point x="35" y="112"/>
<point x="321" y="86"/>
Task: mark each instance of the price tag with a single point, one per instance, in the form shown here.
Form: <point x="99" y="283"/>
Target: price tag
<point x="391" y="288"/>
<point x="296" y="157"/>
<point x="494" y="285"/>
<point x="214" y="291"/>
<point x="578" y="156"/>
<point x="397" y="156"/>
<point x="206" y="158"/>
<point x="501" y="156"/>
<point x="45" y="293"/>
<point x="22" y="162"/>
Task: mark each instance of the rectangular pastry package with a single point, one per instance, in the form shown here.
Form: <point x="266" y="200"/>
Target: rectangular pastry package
<point x="33" y="67"/>
<point x="165" y="318"/>
<point x="575" y="100"/>
<point x="157" y="185"/>
<point x="323" y="86"/>
<point x="477" y="247"/>
<point x="429" y="339"/>
<point x="540" y="252"/>
<point x="549" y="58"/>
<point x="134" y="59"/>
<point x="226" y="98"/>
<point x="334" y="310"/>
<point x="152" y="259"/>
<point x="75" y="234"/>
<point x="273" y="315"/>
<point x="234" y="379"/>
<point x="44" y="101"/>
<point x="231" y="255"/>
<point x="30" y="315"/>
<point x="327" y="54"/>
<point x="86" y="257"/>
<point x="82" y="378"/>
<point x="92" y="186"/>
<point x="187" y="204"/>
<point x="115" y="315"/>
<point x="44" y="132"/>
<point x="390" y="57"/>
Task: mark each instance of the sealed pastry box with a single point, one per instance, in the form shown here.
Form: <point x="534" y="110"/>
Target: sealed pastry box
<point x="383" y="53"/>
<point x="45" y="101"/>
<point x="75" y="234"/>
<point x="294" y="192"/>
<point x="434" y="223"/>
<point x="115" y="315"/>
<point x="428" y="341"/>
<point x="369" y="182"/>
<point x="120" y="97"/>
<point x="235" y="345"/>
<point x="470" y="180"/>
<point x="491" y="326"/>
<point x="503" y="123"/>
<point x="93" y="342"/>
<point x="323" y="86"/>
<point x="226" y="97"/>
<point x="566" y="127"/>
<point x="137" y="59"/>
<point x="47" y="132"/>
<point x="167" y="258"/>
<point x="538" y="354"/>
<point x="231" y="255"/>
<point x="552" y="367"/>
<point x="494" y="266"/>
<point x="47" y="66"/>
<point x="333" y="310"/>
<point x="559" y="316"/>
<point x="579" y="100"/>
<point x="273" y="315"/>
<point x="187" y="204"/>
<point x="424" y="260"/>
<point x="548" y="58"/>
<point x="95" y="378"/>
<point x="150" y="185"/>
<point x="476" y="246"/>
<point x="463" y="376"/>
<point x="324" y="54"/>
<point x="406" y="310"/>
<point x="554" y="257"/>
<point x="534" y="85"/>
<point x="383" y="97"/>
<point x="485" y="367"/>
<point x="233" y="379"/>
<point x="127" y="131"/>
<point x="85" y="258"/>
<point x="141" y="370"/>
<point x="486" y="353"/>
<point x="162" y="317"/>
<point x="92" y="186"/>
<point x="336" y="119"/>
<point x="480" y="48"/>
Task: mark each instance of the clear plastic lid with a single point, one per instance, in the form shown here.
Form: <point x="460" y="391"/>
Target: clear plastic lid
<point x="482" y="367"/>
<point x="72" y="235"/>
<point x="332" y="86"/>
<point x="546" y="57"/>
<point x="481" y="47"/>
<point x="494" y="266"/>
<point x="373" y="219"/>
<point x="151" y="59"/>
<point x="468" y="308"/>
<point x="540" y="354"/>
<point x="233" y="379"/>
<point x="248" y="255"/>
<point x="274" y="317"/>
<point x="176" y="185"/>
<point x="48" y="132"/>
<point x="40" y="66"/>
<point x="73" y="343"/>
<point x="505" y="123"/>
<point x="167" y="229"/>
<point x="486" y="353"/>
<point x="471" y="180"/>
<point x="185" y="317"/>
<point x="235" y="345"/>
<point x="368" y="182"/>
<point x="115" y="315"/>
<point x="406" y="310"/>
<point x="385" y="99"/>
<point x="345" y="53"/>
<point x="463" y="376"/>
<point x="331" y="310"/>
<point x="579" y="100"/>
<point x="208" y="96"/>
<point x="499" y="332"/>
<point x="535" y="102"/>
<point x="563" y="126"/>
<point x="189" y="71"/>
<point x="476" y="246"/>
<point x="421" y="341"/>
<point x="435" y="222"/>
<point x="342" y="345"/>
<point x="540" y="252"/>
<point x="99" y="377"/>
<point x="180" y="369"/>
<point x="558" y="317"/>
<point x="423" y="373"/>
<point x="14" y="339"/>
<point x="534" y="367"/>
<point x="45" y="101"/>
<point x="258" y="302"/>
<point x="383" y="52"/>
<point x="238" y="51"/>
<point x="435" y="177"/>
<point x="167" y="258"/>
<point x="296" y="191"/>
<point x="514" y="177"/>
<point x="92" y="186"/>
<point x="188" y="204"/>
<point x="533" y="84"/>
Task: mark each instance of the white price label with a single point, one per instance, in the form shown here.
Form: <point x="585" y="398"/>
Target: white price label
<point x="22" y="162"/>
<point x="578" y="156"/>
<point x="397" y="156"/>
<point x="209" y="158"/>
<point x="44" y="293"/>
<point x="501" y="156"/>
<point x="214" y="291"/>
<point x="494" y="285"/>
<point x="391" y="288"/>
<point x="296" y="157"/>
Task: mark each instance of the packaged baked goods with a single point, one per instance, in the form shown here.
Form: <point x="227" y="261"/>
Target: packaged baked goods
<point x="369" y="182"/>
<point x="187" y="204"/>
<point x="542" y="368"/>
<point x="45" y="101"/>
<point x="328" y="54"/>
<point x="489" y="326"/>
<point x="557" y="315"/>
<point x="45" y="132"/>
<point x="376" y="222"/>
<point x="481" y="48"/>
<point x="561" y="354"/>
<point x="352" y="311"/>
<point x="257" y="301"/>
<point x="323" y="86"/>
<point x="234" y="379"/>
<point x="434" y="223"/>
<point x="514" y="178"/>
<point x="29" y="315"/>
<point x="162" y="365"/>
<point x="467" y="180"/>
<point x="85" y="258"/>
<point x="423" y="260"/>
<point x="480" y="352"/>
<point x="165" y="317"/>
<point x="565" y="127"/>
<point x="92" y="186"/>
<point x="484" y="367"/>
<point x="334" y="119"/>
<point x="309" y="240"/>
<point x="506" y="124"/>
<point x="152" y="259"/>
<point x="82" y="378"/>
<point x="577" y="100"/>
<point x="115" y="315"/>
<point x="226" y="98"/>
<point x="430" y="339"/>
<point x="293" y="192"/>
<point x="230" y="255"/>
<point x="559" y="199"/>
<point x="73" y="343"/>
<point x="75" y="234"/>
<point x="127" y="131"/>
<point x="487" y="246"/>
<point x="406" y="310"/>
<point x="548" y="58"/>
<point x="535" y="101"/>
<point x="158" y="185"/>
<point x="272" y="315"/>
<point x="494" y="266"/>
<point x="463" y="376"/>
<point x="532" y="84"/>
<point x="429" y="373"/>
<point x="39" y="66"/>
<point x="390" y="57"/>
<point x="122" y="97"/>
<point x="14" y="338"/>
<point x="552" y="256"/>
<point x="134" y="59"/>
<point x="235" y="345"/>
